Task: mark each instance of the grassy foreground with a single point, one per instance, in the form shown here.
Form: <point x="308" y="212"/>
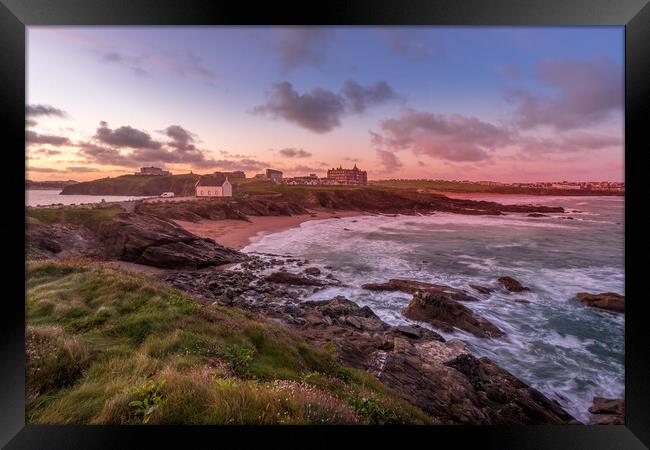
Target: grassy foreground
<point x="106" y="346"/>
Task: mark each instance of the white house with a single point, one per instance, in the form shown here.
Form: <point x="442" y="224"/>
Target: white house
<point x="213" y="186"/>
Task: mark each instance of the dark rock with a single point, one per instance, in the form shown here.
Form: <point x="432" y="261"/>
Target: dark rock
<point x="312" y="271"/>
<point x="607" y="411"/>
<point x="445" y="313"/>
<point x="481" y="289"/>
<point x="355" y="322"/>
<point x="415" y="332"/>
<point x="521" y="300"/>
<point x="291" y="278"/>
<point x="608" y="301"/>
<point x="412" y="287"/>
<point x="537" y="215"/>
<point x="512" y="285"/>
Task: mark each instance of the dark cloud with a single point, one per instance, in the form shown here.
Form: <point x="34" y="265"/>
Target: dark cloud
<point x="414" y="45"/>
<point x="125" y="136"/>
<point x="180" y="150"/>
<point x="319" y="110"/>
<point x="30" y="123"/>
<point x="453" y="138"/>
<point x="301" y="46"/>
<point x="389" y="161"/>
<point x="44" y="110"/>
<point x="362" y="97"/>
<point x="104" y="155"/>
<point x="294" y="153"/>
<point x="33" y="137"/>
<point x="587" y="92"/>
<point x="182" y="139"/>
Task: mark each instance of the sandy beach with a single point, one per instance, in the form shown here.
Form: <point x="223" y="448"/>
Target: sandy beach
<point x="238" y="234"/>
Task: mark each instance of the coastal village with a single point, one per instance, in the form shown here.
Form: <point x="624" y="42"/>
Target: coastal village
<point x="220" y="183"/>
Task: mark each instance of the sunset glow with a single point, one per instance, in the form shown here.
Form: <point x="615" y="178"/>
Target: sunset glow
<point x="502" y="104"/>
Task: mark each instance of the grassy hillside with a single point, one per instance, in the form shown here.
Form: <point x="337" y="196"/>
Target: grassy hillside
<point x="136" y="185"/>
<point x="88" y="217"/>
<point x="105" y="346"/>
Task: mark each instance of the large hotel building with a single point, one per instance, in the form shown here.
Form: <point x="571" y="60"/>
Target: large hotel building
<point x="348" y="176"/>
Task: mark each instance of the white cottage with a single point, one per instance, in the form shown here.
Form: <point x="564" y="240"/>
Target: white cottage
<point x="213" y="186"/>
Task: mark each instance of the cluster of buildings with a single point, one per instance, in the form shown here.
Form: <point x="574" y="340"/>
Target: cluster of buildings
<point x="152" y="171"/>
<point x="219" y="183"/>
<point x="354" y="176"/>
<point x="581" y="185"/>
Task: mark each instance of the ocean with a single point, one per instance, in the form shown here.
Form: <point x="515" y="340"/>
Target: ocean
<point x="567" y="350"/>
<point x="44" y="197"/>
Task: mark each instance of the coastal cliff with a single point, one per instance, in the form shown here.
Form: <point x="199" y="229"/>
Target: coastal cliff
<point x="192" y="360"/>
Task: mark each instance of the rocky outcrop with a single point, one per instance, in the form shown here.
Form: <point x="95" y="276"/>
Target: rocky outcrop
<point x="607" y="411"/>
<point x="138" y="238"/>
<point x="59" y="241"/>
<point x="512" y="285"/>
<point x="440" y="377"/>
<point x="608" y="301"/>
<point x="411" y="287"/>
<point x="445" y="313"/>
<point x="312" y="271"/>
<point x="153" y="241"/>
<point x="292" y="278"/>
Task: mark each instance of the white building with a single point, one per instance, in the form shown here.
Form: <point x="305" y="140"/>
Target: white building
<point x="213" y="186"/>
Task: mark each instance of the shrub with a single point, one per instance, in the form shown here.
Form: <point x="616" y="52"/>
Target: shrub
<point x="239" y="357"/>
<point x="374" y="412"/>
<point x="150" y="399"/>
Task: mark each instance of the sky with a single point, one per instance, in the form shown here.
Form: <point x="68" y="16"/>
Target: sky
<point x="517" y="104"/>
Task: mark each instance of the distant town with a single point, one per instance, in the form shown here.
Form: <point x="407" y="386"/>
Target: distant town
<point x="219" y="183"/>
<point x="356" y="176"/>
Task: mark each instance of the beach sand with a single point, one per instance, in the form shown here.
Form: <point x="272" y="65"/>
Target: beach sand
<point x="238" y="234"/>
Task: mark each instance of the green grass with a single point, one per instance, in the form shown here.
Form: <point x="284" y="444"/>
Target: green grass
<point x="106" y="346"/>
<point x="91" y="218"/>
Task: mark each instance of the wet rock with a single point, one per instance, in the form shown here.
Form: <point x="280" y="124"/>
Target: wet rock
<point x="521" y="300"/>
<point x="444" y="313"/>
<point x="481" y="289"/>
<point x="607" y="411"/>
<point x="312" y="271"/>
<point x="411" y="287"/>
<point x="608" y="301"/>
<point x="292" y="278"/>
<point x="512" y="285"/>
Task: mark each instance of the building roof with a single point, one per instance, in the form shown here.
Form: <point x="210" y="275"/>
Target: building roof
<point x="212" y="180"/>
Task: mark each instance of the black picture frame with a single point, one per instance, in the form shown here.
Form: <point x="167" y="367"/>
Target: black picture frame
<point x="16" y="15"/>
